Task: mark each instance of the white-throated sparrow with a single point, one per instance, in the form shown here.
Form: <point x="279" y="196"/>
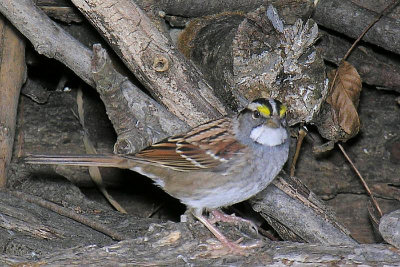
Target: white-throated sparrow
<point x="216" y="164"/>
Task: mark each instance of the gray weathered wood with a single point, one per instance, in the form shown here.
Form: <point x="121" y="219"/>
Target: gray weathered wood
<point x="51" y="40"/>
<point x="350" y="19"/>
<point x="47" y="37"/>
<point x="154" y="60"/>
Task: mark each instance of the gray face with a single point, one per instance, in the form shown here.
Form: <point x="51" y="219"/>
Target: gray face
<point x="263" y="123"/>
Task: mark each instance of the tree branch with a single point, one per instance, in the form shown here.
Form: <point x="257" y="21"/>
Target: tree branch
<point x="154" y="60"/>
<point x="340" y="16"/>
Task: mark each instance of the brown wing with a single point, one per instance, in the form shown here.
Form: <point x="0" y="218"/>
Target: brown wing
<point x="204" y="147"/>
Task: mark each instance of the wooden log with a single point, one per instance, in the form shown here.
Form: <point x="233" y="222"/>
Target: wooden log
<point x="12" y="77"/>
<point x="351" y="19"/>
<point x="296" y="213"/>
<point x="196" y="8"/>
<point x="175" y="246"/>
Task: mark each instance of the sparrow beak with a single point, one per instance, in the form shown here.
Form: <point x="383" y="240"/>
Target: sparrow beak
<point x="273" y="122"/>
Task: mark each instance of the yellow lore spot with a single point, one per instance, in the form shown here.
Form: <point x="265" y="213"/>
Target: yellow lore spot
<point x="282" y="112"/>
<point x="264" y="110"/>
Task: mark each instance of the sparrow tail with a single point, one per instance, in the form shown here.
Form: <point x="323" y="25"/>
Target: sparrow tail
<point x="100" y="160"/>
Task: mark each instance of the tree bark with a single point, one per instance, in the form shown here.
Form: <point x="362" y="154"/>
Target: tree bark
<point x="297" y="214"/>
<point x="196" y="8"/>
<point x="51" y="40"/>
<point x="138" y="120"/>
<point x="375" y="69"/>
<point x="175" y="247"/>
<point x="154" y="60"/>
<point x="351" y="20"/>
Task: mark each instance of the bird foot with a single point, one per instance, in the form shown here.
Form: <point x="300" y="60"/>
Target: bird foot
<point x="225" y="245"/>
<point x="218" y="216"/>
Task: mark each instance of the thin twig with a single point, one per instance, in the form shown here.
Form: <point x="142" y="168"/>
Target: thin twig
<point x="362" y="180"/>
<point x="390" y="6"/>
<point x="92" y="223"/>
<point x="300" y="138"/>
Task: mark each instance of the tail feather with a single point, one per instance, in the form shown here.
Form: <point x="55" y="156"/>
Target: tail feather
<point x="100" y="160"/>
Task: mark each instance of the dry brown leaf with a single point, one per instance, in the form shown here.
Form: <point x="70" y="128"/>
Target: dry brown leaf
<point x="94" y="171"/>
<point x="344" y="97"/>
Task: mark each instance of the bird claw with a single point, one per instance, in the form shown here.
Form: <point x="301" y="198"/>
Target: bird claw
<point x="226" y="246"/>
<point x="221" y="217"/>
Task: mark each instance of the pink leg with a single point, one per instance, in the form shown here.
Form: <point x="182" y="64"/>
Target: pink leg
<point x="233" y="246"/>
<point x="219" y="216"/>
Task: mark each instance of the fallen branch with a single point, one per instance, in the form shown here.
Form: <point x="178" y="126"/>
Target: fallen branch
<point x="340" y="16"/>
<point x="168" y="245"/>
<point x="96" y="225"/>
<point x="138" y="120"/>
<point x="380" y="71"/>
<point x="195" y="8"/>
<point x="291" y="205"/>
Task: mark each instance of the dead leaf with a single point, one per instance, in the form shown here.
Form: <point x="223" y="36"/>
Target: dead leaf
<point x="94" y="171"/>
<point x="344" y="96"/>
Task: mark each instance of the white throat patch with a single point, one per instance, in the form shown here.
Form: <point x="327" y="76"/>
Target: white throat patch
<point x="269" y="136"/>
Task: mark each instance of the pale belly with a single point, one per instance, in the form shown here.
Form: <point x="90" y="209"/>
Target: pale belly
<point x="232" y="192"/>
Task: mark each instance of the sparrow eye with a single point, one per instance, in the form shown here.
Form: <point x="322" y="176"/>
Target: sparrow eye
<point x="256" y="114"/>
